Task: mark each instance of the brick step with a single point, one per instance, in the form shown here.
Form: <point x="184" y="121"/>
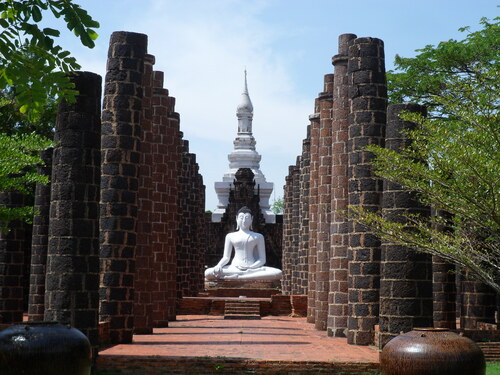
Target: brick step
<point x="158" y="365"/>
<point x="242" y="310"/>
<point x="250" y="310"/>
<point x="491" y="350"/>
<point x="236" y="312"/>
<point x="242" y="316"/>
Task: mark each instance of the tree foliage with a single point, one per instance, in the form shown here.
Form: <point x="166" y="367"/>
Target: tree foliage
<point x="33" y="78"/>
<point x="278" y="205"/>
<point x="18" y="154"/>
<point x="453" y="162"/>
<point x="32" y="64"/>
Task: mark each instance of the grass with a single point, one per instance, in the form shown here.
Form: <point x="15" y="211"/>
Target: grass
<point x="492" y="368"/>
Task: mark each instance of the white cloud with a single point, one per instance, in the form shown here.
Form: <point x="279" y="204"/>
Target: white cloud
<point x="203" y="53"/>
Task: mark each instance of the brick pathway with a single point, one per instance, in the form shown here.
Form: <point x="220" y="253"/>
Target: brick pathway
<point x="272" y="338"/>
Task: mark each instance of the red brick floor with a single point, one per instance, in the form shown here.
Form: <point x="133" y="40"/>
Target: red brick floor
<point x="273" y="338"/>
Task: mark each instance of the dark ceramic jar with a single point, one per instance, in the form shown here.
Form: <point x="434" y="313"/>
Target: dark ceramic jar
<point x="432" y="351"/>
<point x="44" y="348"/>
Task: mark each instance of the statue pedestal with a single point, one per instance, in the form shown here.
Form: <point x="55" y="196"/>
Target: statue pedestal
<point x="237" y="288"/>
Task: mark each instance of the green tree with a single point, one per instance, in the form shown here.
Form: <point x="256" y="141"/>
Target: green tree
<point x="453" y="162"/>
<point x="278" y="206"/>
<point x="18" y="154"/>
<point x="32" y="64"/>
<point x="33" y="78"/>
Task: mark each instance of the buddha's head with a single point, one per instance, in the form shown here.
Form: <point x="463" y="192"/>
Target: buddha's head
<point x="244" y="218"/>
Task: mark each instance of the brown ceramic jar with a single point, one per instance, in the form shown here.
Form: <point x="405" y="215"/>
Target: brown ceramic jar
<point x="432" y="351"/>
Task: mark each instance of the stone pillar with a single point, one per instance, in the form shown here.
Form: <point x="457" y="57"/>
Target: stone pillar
<point x="120" y="160"/>
<point x="478" y="303"/>
<point x="339" y="238"/>
<point x="295" y="226"/>
<point x="444" y="294"/>
<point x="201" y="244"/>
<point x="444" y="288"/>
<point x="324" y="205"/>
<point x="165" y="167"/>
<point x="167" y="242"/>
<point x="304" y="182"/>
<point x="145" y="283"/>
<point x="313" y="212"/>
<point x="14" y="246"/>
<point x="286" y="281"/>
<point x="39" y="241"/>
<point x="72" y="280"/>
<point x="184" y="250"/>
<point x="406" y="275"/>
<point x="368" y="100"/>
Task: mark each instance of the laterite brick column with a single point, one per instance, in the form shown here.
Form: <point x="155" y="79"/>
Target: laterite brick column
<point x="165" y="167"/>
<point x="144" y="281"/>
<point x="313" y="212"/>
<point x="478" y="303"/>
<point x="286" y="281"/>
<point x="39" y="241"/>
<point x="200" y="224"/>
<point x="295" y="226"/>
<point x="167" y="242"/>
<point x="190" y="247"/>
<point x="120" y="160"/>
<point x="72" y="280"/>
<point x="368" y="100"/>
<point x="444" y="294"/>
<point x="444" y="288"/>
<point x="14" y="246"/>
<point x="184" y="250"/>
<point x="339" y="237"/>
<point x="304" y="182"/>
<point x="324" y="204"/>
<point x="406" y="275"/>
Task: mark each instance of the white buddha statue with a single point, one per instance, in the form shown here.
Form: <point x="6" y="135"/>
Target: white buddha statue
<point x="249" y="254"/>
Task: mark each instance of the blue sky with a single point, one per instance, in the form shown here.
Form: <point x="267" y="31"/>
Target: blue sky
<point x="203" y="46"/>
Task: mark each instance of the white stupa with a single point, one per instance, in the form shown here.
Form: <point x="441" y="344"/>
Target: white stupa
<point x="244" y="156"/>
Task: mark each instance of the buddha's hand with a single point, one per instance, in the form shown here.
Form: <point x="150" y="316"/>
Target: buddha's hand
<point x="242" y="268"/>
<point x="218" y="270"/>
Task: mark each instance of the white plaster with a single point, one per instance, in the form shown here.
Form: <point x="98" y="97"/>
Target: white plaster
<point x="244" y="155"/>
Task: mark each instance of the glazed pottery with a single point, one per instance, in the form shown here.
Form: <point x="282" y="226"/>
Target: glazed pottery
<point x="44" y="348"/>
<point x="432" y="351"/>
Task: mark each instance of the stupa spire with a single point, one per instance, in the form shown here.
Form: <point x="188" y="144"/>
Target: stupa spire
<point x="244" y="111"/>
<point x="244" y="155"/>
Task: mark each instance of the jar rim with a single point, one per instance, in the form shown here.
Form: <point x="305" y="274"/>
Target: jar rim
<point x="431" y="329"/>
